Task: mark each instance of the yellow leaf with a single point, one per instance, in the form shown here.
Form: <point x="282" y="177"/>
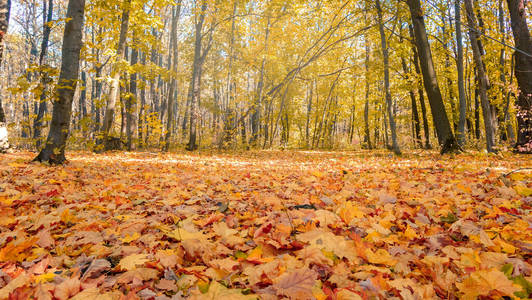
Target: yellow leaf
<point x="67" y="217"/>
<point x="380" y="257"/>
<point x="45" y="278"/>
<point x="410" y="233"/>
<point x="132" y="261"/>
<point x="348" y="211"/>
<point x="130" y="238"/>
<point x="485" y="283"/>
<point x="523" y="190"/>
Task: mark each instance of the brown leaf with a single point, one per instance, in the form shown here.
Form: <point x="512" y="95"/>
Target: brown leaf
<point x="296" y="284"/>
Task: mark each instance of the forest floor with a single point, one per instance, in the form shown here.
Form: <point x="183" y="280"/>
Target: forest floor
<point x="268" y="224"/>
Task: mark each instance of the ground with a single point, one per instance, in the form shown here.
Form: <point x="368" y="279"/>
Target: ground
<point x="268" y="225"/>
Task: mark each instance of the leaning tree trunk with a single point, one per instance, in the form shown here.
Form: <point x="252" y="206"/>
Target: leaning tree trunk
<point x="54" y="150"/>
<point x="482" y="76"/>
<point x="523" y="74"/>
<point x="385" y="58"/>
<point x="439" y="115"/>
<point x="114" y="93"/>
<point x="5" y="8"/>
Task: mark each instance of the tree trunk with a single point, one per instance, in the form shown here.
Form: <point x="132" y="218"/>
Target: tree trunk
<point x="54" y="150"/>
<point x="523" y="74"/>
<point x="421" y="94"/>
<point x="385" y="57"/>
<point x="255" y="117"/>
<point x="444" y="132"/>
<point x="367" y="137"/>
<point x="37" y="123"/>
<point x="114" y="93"/>
<point x="483" y="81"/>
<point x="507" y="130"/>
<point x="194" y="89"/>
<point x="5" y="9"/>
<point x="131" y="106"/>
<point x="460" y="70"/>
<point x="173" y="59"/>
<point x="415" y="113"/>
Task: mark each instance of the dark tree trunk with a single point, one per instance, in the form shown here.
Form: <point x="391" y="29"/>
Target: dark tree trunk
<point x="460" y="70"/>
<point x="37" y="124"/>
<point x="523" y="74"/>
<point x="131" y="106"/>
<point x="444" y="131"/>
<point x="421" y="94"/>
<point x="54" y="150"/>
<point x="482" y="76"/>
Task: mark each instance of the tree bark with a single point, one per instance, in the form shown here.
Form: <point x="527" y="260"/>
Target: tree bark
<point x="523" y="74"/>
<point x="460" y="71"/>
<point x="194" y="89"/>
<point x="482" y="76"/>
<point x="131" y="106"/>
<point x="444" y="131"/>
<point x="388" y="95"/>
<point x="54" y="150"/>
<point x="367" y="137"/>
<point x="173" y="59"/>
<point x="114" y="93"/>
<point x="37" y="123"/>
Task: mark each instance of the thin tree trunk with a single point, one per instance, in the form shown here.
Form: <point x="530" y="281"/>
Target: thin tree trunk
<point x="37" y="124"/>
<point x="367" y="137"/>
<point x="172" y="60"/>
<point x="255" y="117"/>
<point x="131" y="106"/>
<point x="388" y="95"/>
<point x="483" y="82"/>
<point x="443" y="128"/>
<point x="54" y="150"/>
<point x="194" y="90"/>
<point x="114" y="93"/>
<point x="460" y="69"/>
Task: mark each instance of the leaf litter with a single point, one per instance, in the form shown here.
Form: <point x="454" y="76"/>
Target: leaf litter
<point x="266" y="225"/>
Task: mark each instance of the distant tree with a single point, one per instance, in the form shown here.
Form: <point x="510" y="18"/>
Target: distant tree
<point x="5" y="8"/>
<point x="54" y="149"/>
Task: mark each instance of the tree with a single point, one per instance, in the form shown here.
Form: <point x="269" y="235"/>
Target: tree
<point x="47" y="19"/>
<point x="172" y="61"/>
<point x="388" y="95"/>
<point x="54" y="149"/>
<point x="114" y="93"/>
<point x="482" y="76"/>
<point x="195" y="81"/>
<point x="460" y="71"/>
<point x="523" y="74"/>
<point x="444" y="132"/>
<point x="5" y="9"/>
